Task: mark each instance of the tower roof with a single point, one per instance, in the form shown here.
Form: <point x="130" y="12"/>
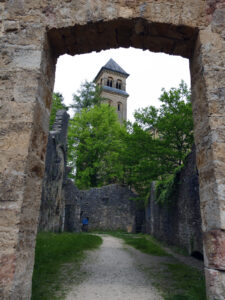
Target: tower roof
<point x="112" y="66"/>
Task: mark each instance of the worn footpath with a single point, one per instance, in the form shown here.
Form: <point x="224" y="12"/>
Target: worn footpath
<point x="116" y="272"/>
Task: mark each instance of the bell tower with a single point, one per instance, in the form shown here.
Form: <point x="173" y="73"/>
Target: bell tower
<point x="112" y="79"/>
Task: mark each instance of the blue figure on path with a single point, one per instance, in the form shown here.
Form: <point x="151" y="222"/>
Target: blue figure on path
<point x="85" y="224"/>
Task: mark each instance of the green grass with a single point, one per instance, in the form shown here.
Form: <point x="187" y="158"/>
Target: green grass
<point x="141" y="242"/>
<point x="178" y="250"/>
<point x="53" y="255"/>
<point x="175" y="249"/>
<point x="187" y="283"/>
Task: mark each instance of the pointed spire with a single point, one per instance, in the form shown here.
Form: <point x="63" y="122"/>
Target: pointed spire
<point x="113" y="66"/>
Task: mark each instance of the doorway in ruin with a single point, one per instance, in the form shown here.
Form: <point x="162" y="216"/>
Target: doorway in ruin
<point x="76" y="38"/>
<point x="139" y="32"/>
<point x="147" y="70"/>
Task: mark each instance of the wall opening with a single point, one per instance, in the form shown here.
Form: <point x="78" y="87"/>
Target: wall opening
<point x="123" y="33"/>
<point x="138" y="33"/>
<point x="68" y="40"/>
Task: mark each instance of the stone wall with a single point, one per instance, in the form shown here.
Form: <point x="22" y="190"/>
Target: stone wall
<point x="109" y="208"/>
<point x="52" y="201"/>
<point x="32" y="35"/>
<point x="72" y="200"/>
<point x="63" y="205"/>
<point x="178" y="222"/>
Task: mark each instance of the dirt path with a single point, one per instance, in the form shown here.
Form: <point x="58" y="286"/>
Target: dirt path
<point x="116" y="272"/>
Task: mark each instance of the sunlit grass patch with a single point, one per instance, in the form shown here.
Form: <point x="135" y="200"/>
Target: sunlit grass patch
<point x="142" y="243"/>
<point x="52" y="253"/>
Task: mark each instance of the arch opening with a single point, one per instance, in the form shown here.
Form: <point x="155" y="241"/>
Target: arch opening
<point x="137" y="33"/>
<point x="96" y="36"/>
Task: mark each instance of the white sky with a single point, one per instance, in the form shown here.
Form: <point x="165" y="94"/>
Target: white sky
<point x="149" y="73"/>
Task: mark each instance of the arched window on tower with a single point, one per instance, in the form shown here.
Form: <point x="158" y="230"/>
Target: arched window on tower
<point x="109" y="81"/>
<point x="119" y="106"/>
<point x="119" y="84"/>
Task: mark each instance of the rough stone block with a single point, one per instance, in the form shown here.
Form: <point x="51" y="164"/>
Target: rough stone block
<point x="7" y="270"/>
<point x="213" y="214"/>
<point x="29" y="59"/>
<point x="10" y="186"/>
<point x="215" y="287"/>
<point x="13" y="112"/>
<point x="214" y="248"/>
<point x="10" y="26"/>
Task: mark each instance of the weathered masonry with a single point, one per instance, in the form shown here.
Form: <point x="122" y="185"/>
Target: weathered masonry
<point x="52" y="208"/>
<point x="178" y="221"/>
<point x="33" y="33"/>
<point x="63" y="205"/>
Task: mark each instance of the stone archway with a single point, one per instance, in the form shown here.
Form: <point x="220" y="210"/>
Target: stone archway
<point x="32" y="35"/>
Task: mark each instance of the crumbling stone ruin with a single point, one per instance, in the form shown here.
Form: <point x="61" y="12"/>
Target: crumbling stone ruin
<point x="113" y="207"/>
<point x="52" y="209"/>
<point x="109" y="208"/>
<point x="178" y="222"/>
<point x="72" y="200"/>
<point x="32" y="35"/>
<point x="63" y="205"/>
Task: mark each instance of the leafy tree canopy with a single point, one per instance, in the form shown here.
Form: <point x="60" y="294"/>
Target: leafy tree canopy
<point x="158" y="141"/>
<point x="57" y="104"/>
<point x="172" y="123"/>
<point x="94" y="146"/>
<point x="88" y="96"/>
<point x="101" y="151"/>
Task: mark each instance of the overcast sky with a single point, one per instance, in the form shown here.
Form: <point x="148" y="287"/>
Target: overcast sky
<point x="149" y="73"/>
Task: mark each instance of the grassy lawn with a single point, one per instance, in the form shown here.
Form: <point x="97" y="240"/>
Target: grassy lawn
<point x="176" y="281"/>
<point x="56" y="256"/>
<point x="187" y="283"/>
<point x="140" y="242"/>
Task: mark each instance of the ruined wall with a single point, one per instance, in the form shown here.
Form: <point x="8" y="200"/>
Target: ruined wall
<point x="72" y="198"/>
<point x="32" y="35"/>
<point x="179" y="221"/>
<point x="109" y="208"/>
<point x="52" y="201"/>
<point x="63" y="205"/>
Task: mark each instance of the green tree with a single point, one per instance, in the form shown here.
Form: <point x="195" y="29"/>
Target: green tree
<point x="88" y="96"/>
<point x="57" y="104"/>
<point x="142" y="159"/>
<point x="157" y="143"/>
<point x="101" y="151"/>
<point x="172" y="123"/>
<point x="94" y="146"/>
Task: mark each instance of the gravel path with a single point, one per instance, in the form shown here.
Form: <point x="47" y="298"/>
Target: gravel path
<point x="114" y="272"/>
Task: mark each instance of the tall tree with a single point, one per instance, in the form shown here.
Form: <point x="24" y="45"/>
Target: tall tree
<point x="159" y="140"/>
<point x="57" y="104"/>
<point x="101" y="151"/>
<point x="88" y="96"/>
<point x="172" y="123"/>
<point x="94" y="146"/>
